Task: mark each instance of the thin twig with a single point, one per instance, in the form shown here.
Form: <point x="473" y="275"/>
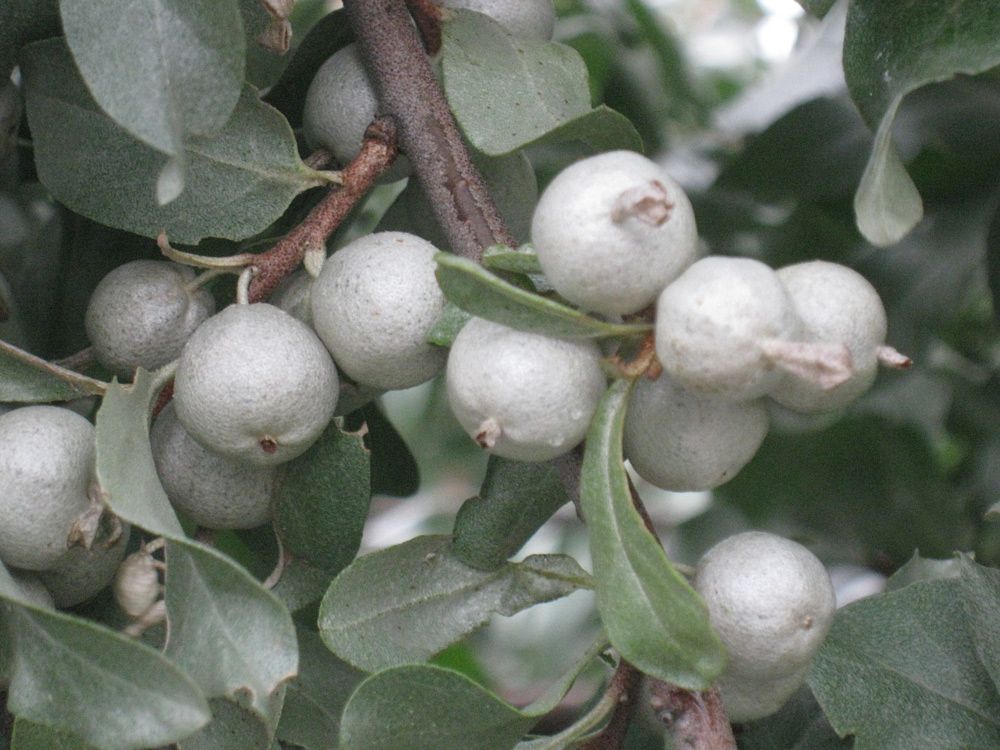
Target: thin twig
<point x="623" y="687"/>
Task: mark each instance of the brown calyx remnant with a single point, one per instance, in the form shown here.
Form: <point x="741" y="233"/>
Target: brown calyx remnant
<point x="647" y="203"/>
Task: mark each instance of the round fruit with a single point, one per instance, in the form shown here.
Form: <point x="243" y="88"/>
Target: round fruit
<point x="340" y="105"/>
<point x="82" y="573"/>
<point x="255" y="384"/>
<point x="836" y="303"/>
<point x="46" y="470"/>
<point x="292" y="296"/>
<point x="612" y="231"/>
<point x="32" y="588"/>
<point x="771" y="602"/>
<point x="141" y="314"/>
<point x="716" y="322"/>
<point x="373" y="305"/>
<point x="214" y="491"/>
<point x="681" y="441"/>
<point x="521" y="395"/>
<point x="525" y="19"/>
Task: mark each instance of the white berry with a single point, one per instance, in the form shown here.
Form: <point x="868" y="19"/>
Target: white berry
<point x="255" y="384"/>
<point x="612" y="231"/>
<point x="771" y="602"/>
<point x="521" y="395"/>
<point x="679" y="440"/>
<point x="46" y="469"/>
<point x="374" y="303"/>
<point x="525" y="19"/>
<point x="141" y="314"/>
<point x="213" y="490"/>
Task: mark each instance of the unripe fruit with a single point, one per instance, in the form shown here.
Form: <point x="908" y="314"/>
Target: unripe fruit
<point x="214" y="491"/>
<point x="522" y="395"/>
<point x="524" y="19"/>
<point x="771" y="602"/>
<point x="340" y="105"/>
<point x="255" y="384"/>
<point x="835" y="303"/>
<point x="141" y="314"/>
<point x="46" y="469"/>
<point x="374" y="303"/>
<point x="681" y="441"/>
<point x="82" y="573"/>
<point x="612" y="231"/>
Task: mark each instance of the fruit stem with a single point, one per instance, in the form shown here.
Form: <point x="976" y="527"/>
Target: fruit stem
<point x="621" y="691"/>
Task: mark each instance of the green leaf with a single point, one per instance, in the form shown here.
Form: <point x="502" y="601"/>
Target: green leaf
<point x="521" y="259"/>
<point x="508" y="93"/>
<point x="125" y="468"/>
<point x="915" y="667"/>
<point x="231" y="728"/>
<point x="78" y="676"/>
<point x="21" y="23"/>
<point x="818" y="8"/>
<point x="799" y="725"/>
<point x="919" y="568"/>
<point x="238" y="181"/>
<point x="316" y="697"/>
<point x="394" y="470"/>
<point x="301" y="584"/>
<point x="653" y="617"/>
<point x="162" y="69"/>
<point x="232" y="637"/>
<point x="30" y="736"/>
<point x="322" y="502"/>
<point x="428" y="708"/>
<point x="479" y="292"/>
<point x="408" y="602"/>
<point x="27" y="378"/>
<point x="516" y="498"/>
<point x="449" y="322"/>
<point x="890" y="49"/>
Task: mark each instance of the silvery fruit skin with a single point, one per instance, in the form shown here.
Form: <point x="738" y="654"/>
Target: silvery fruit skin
<point x="255" y="384"/>
<point x="522" y="395"/>
<point x="142" y="313"/>
<point x="373" y="305"/>
<point x="47" y="457"/>
<point x="612" y="231"/>
<point x="82" y="573"/>
<point x="771" y="602"/>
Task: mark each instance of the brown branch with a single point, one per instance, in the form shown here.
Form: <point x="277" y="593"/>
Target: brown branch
<point x="428" y="135"/>
<point x="427" y="16"/>
<point x="377" y="153"/>
<point x="623" y="687"/>
<point x="696" y="721"/>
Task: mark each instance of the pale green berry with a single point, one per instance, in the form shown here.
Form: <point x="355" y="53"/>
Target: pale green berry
<point x="374" y="303"/>
<point x="524" y="19"/>
<point x="83" y="573"/>
<point x="771" y="602"/>
<point x="255" y="384"/>
<point x="612" y="231"/>
<point x="522" y="395"/>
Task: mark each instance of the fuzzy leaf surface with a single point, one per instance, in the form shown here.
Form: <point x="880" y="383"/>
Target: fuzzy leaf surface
<point x="231" y="728"/>
<point x="408" y="602"/>
<point x="508" y="93"/>
<point x="27" y="378"/>
<point x="890" y="49"/>
<point x="652" y="615"/>
<point x="30" y="736"/>
<point x="916" y="667"/>
<point x="481" y="293"/>
<point x="322" y="503"/>
<point x="238" y="181"/>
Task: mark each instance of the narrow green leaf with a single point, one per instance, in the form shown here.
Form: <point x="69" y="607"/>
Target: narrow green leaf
<point x="653" y="617"/>
<point x="449" y="322"/>
<point x="238" y="181"/>
<point x="232" y="637"/>
<point x="408" y="602"/>
<point x="516" y="498"/>
<point x="521" y="259"/>
<point x="322" y="502"/>
<point x="508" y="93"/>
<point x="428" y="708"/>
<point x="479" y="292"/>
<point x="27" y="378"/>
<point x="162" y="69"/>
<point x="125" y="467"/>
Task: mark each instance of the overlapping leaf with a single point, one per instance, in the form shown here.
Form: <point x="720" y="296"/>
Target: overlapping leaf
<point x="27" y="378"/>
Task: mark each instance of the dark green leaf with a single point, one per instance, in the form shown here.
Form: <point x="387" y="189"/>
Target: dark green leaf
<point x="515" y="500"/>
<point x="890" y="49"/>
<point x="394" y="469"/>
<point x="428" y="708"/>
<point x="479" y="292"/>
<point x="980" y="588"/>
<point x="993" y="260"/>
<point x="799" y="725"/>
<point x="27" y="378"/>
<point x="238" y="181"/>
<point x="322" y="502"/>
<point x="904" y="669"/>
<point x="231" y="728"/>
<point x="21" y="23"/>
<point x="507" y="93"/>
<point x="516" y="260"/>
<point x="652" y="615"/>
<point x="919" y="568"/>
<point x="449" y="322"/>
<point x="228" y="633"/>
<point x="301" y="584"/>
<point x="29" y="736"/>
<point x="405" y="603"/>
<point x="162" y="69"/>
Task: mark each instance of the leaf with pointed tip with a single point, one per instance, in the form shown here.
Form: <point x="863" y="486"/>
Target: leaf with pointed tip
<point x="27" y="378"/>
<point x="408" y="602"/>
<point x="479" y="292"/>
<point x="653" y="616"/>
